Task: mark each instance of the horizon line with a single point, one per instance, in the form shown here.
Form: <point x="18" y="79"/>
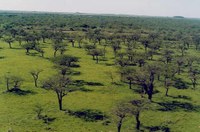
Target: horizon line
<point x="84" y="13"/>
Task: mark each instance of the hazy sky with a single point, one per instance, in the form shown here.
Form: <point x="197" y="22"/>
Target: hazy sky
<point x="188" y="8"/>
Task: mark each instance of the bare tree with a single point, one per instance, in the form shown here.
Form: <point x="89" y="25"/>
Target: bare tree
<point x="35" y="75"/>
<point x="60" y="85"/>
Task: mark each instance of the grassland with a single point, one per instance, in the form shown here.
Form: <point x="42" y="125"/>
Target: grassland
<point x="17" y="111"/>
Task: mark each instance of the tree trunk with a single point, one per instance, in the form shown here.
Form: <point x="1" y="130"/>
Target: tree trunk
<point x="54" y="54"/>
<point x="59" y="100"/>
<point x="7" y="84"/>
<point x="10" y="45"/>
<point x="60" y="103"/>
<point x="150" y="92"/>
<point x="179" y="70"/>
<point x="97" y="59"/>
<point x="72" y="43"/>
<point x="158" y="77"/>
<point x="194" y="85"/>
<point x="35" y="80"/>
<point x="119" y="125"/>
<point x="167" y="90"/>
<point x="130" y="82"/>
<point x="79" y="44"/>
<point x="137" y="116"/>
<point x="43" y="39"/>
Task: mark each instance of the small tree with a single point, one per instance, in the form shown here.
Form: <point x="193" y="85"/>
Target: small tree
<point x="65" y="60"/>
<point x="167" y="56"/>
<point x="168" y="83"/>
<point x="40" y="50"/>
<point x="180" y="62"/>
<point x="169" y="72"/>
<point x="193" y="75"/>
<point x="60" y="85"/>
<point x="110" y="75"/>
<point x="9" y="40"/>
<point x="96" y="53"/>
<point x="122" y="110"/>
<point x="28" y="46"/>
<point x="14" y="81"/>
<point x="137" y="107"/>
<point x="38" y="109"/>
<point x="58" y="45"/>
<point x="35" y="75"/>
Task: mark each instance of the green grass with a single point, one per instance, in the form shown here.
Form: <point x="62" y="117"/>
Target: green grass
<point x="17" y="112"/>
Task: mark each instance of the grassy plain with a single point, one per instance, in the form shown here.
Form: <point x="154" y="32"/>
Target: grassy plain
<point x="17" y="111"/>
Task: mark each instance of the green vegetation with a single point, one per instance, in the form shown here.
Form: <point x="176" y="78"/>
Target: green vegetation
<point x="65" y="72"/>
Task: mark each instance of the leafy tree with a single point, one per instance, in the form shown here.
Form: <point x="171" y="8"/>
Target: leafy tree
<point x="65" y="60"/>
<point x="140" y="59"/>
<point x="168" y="83"/>
<point x="128" y="75"/>
<point x="182" y="49"/>
<point x="145" y="42"/>
<point x="115" y="44"/>
<point x="167" y="56"/>
<point x="193" y="75"/>
<point x="28" y="46"/>
<point x="96" y="53"/>
<point x="57" y="45"/>
<point x="145" y="77"/>
<point x="79" y="38"/>
<point x="196" y="40"/>
<point x="169" y="72"/>
<point x="153" y="36"/>
<point x="180" y="62"/>
<point x="19" y="39"/>
<point x="9" y="40"/>
<point x="40" y="50"/>
<point x="89" y="47"/>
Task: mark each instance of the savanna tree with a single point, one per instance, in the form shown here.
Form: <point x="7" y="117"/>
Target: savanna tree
<point x="35" y="74"/>
<point x="60" y="85"/>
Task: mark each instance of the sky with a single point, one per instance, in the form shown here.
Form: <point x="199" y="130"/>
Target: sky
<point x="186" y="8"/>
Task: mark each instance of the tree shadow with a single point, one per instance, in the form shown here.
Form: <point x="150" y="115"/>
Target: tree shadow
<point x="33" y="54"/>
<point x="117" y="83"/>
<point x="181" y="97"/>
<point x="88" y="115"/>
<point x="109" y="64"/>
<point x="75" y="73"/>
<point x="82" y="83"/>
<point x="180" y="84"/>
<point x="47" y="119"/>
<point x="20" y="92"/>
<point x="2" y="57"/>
<point x="75" y="65"/>
<point x="177" y="106"/>
<point x="94" y="84"/>
<point x="139" y="91"/>
<point x="158" y="129"/>
<point x="85" y="90"/>
<point x="16" y="48"/>
<point x="103" y="59"/>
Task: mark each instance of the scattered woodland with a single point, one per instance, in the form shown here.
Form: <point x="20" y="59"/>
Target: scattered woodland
<point x="86" y="73"/>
